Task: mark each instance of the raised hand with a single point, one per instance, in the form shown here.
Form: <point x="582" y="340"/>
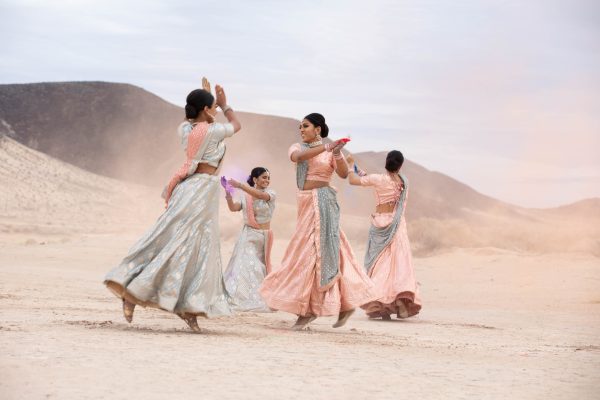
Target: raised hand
<point x="359" y="171"/>
<point x="339" y="145"/>
<point x="205" y="84"/>
<point x="234" y="183"/>
<point x="336" y="145"/>
<point x="221" y="98"/>
<point x="228" y="188"/>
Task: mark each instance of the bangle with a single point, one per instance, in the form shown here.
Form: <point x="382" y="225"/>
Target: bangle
<point x="225" y="108"/>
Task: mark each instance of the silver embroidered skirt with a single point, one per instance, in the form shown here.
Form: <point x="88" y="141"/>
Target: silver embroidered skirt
<point x="176" y="265"/>
<point x="247" y="270"/>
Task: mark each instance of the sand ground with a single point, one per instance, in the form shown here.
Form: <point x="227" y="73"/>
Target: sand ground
<point x="495" y="325"/>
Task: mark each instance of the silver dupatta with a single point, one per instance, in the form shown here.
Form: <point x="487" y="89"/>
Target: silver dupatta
<point x="329" y="225"/>
<point x="380" y="238"/>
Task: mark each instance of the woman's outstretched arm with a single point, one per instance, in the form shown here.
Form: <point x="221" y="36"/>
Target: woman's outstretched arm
<point x="233" y="206"/>
<point x="341" y="167"/>
<point x="303" y="155"/>
<point x="353" y="177"/>
<point x="257" y="194"/>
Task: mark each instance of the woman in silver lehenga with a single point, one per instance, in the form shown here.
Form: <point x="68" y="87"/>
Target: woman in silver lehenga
<point x="176" y="265"/>
<point x="251" y="258"/>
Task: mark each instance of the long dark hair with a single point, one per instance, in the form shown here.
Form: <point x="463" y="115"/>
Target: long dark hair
<point x="256" y="172"/>
<point x="196" y="101"/>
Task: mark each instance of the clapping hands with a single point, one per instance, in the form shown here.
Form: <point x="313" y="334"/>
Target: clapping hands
<point x="221" y="99"/>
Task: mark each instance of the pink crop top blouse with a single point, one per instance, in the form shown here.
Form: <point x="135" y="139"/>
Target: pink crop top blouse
<point x="320" y="167"/>
<point x="386" y="190"/>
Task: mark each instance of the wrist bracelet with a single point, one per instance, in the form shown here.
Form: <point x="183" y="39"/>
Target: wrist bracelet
<point x="226" y="108"/>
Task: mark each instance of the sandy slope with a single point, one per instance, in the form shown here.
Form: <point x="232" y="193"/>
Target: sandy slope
<point x="44" y="196"/>
<point x="495" y="325"/>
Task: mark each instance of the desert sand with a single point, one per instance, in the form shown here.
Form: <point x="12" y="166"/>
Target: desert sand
<point x="494" y="325"/>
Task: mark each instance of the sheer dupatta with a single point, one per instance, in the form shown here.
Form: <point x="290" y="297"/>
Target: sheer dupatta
<point x="380" y="238"/>
<point x="194" y="140"/>
<point x="327" y="227"/>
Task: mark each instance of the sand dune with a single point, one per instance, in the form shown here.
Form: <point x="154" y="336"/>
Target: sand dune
<point x="43" y="196"/>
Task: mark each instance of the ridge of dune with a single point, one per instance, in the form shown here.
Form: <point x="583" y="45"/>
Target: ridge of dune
<point x="43" y="195"/>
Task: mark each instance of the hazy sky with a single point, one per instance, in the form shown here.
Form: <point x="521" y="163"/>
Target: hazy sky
<point x="501" y="95"/>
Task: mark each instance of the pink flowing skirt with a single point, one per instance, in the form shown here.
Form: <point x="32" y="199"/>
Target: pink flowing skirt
<point x="295" y="286"/>
<point x="393" y="274"/>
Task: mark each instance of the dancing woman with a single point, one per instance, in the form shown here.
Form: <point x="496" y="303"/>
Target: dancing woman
<point x="251" y="258"/>
<point x="176" y="265"/>
<point x="319" y="275"/>
<point x="388" y="259"/>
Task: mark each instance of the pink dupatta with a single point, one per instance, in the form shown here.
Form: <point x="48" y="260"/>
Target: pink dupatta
<point x="196" y="145"/>
<point x="251" y="222"/>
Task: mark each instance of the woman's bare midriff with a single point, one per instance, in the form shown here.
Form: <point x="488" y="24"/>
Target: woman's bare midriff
<point x="309" y="185"/>
<point x="385" y="208"/>
<point x="206" y="169"/>
<point x="265" y="227"/>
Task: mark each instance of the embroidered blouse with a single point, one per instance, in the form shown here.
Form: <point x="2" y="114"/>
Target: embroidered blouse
<point x="320" y="167"/>
<point x="386" y="189"/>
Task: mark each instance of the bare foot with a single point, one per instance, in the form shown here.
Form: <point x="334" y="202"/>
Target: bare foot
<point x="402" y="311"/>
<point x="191" y="320"/>
<point x="128" y="308"/>
<point x="343" y="318"/>
<point x="301" y="322"/>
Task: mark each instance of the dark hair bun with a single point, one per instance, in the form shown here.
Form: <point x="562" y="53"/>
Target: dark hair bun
<point x="318" y="120"/>
<point x="393" y="161"/>
<point x="190" y="111"/>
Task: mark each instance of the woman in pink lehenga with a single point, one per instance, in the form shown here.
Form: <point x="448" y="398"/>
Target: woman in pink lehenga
<point x="319" y="275"/>
<point x="388" y="259"/>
